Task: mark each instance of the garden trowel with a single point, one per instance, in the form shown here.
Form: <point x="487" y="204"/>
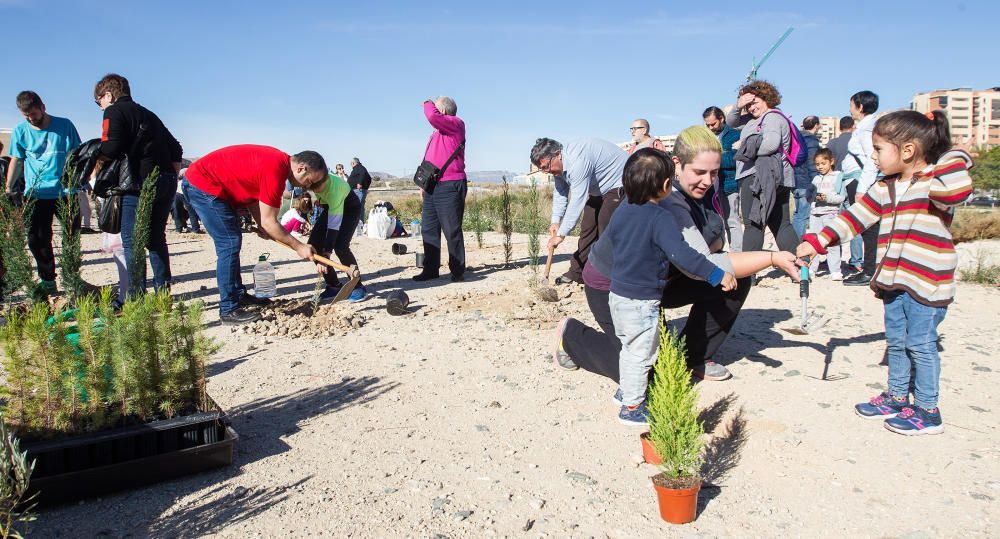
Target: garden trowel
<point x="809" y="322"/>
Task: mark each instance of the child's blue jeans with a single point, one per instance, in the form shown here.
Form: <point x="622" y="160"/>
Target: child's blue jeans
<point x="637" y="325"/>
<point x="912" y="339"/>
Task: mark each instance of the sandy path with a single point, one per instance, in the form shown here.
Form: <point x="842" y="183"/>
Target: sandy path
<point x="453" y="421"/>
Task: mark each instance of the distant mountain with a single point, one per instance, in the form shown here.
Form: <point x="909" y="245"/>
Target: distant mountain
<point x="490" y="176"/>
<point x="383" y="175"/>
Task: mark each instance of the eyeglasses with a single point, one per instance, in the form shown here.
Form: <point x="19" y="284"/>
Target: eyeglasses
<point x="633" y="128"/>
<point x="544" y="167"/>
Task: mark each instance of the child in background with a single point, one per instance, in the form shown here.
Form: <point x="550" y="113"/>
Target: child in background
<point x="646" y="241"/>
<point x="830" y="195"/>
<point x="294" y="220"/>
<point x="913" y="205"/>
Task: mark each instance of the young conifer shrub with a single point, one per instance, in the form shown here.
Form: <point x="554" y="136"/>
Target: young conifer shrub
<point x="14" y="247"/>
<point x="534" y="226"/>
<point x="70" y="254"/>
<point x="674" y="428"/>
<point x="140" y="234"/>
<point x="506" y="222"/>
<point x="476" y="221"/>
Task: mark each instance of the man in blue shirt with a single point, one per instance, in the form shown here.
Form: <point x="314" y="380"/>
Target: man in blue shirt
<point x="588" y="180"/>
<point x="43" y="143"/>
<point x="715" y="121"/>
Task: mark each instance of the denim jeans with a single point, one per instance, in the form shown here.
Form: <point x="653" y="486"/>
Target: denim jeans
<point x="637" y="325"/>
<point x="159" y="254"/>
<point x="192" y="214"/>
<point x="362" y="194"/>
<point x="857" y="251"/>
<point x="800" y="221"/>
<point x="912" y="339"/>
<point x="222" y="222"/>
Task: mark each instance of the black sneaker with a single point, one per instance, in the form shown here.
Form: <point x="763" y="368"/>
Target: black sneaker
<point x="858" y="279"/>
<point x="563" y="279"/>
<point x="457" y="277"/>
<point x="239" y="316"/>
<point x="250" y="299"/>
<point x="424" y="276"/>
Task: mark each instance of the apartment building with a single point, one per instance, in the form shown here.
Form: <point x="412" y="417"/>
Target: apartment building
<point x="829" y="129"/>
<point x="971" y="113"/>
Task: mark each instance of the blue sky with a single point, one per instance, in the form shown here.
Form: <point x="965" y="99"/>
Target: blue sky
<point x="348" y="78"/>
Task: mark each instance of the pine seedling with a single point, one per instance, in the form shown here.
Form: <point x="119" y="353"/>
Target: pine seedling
<point x="15" y="475"/>
<point x="506" y="222"/>
<point x="140" y="233"/>
<point x="14" y="247"/>
<point x="674" y="428"/>
<point x="478" y="224"/>
<point x="70" y="254"/>
<point x="317" y="291"/>
<point x="534" y="227"/>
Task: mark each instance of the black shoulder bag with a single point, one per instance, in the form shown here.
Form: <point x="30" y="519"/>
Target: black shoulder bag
<point x="428" y="174"/>
<point x="114" y="182"/>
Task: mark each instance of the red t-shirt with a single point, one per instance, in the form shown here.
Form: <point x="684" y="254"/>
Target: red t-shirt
<point x="242" y="174"/>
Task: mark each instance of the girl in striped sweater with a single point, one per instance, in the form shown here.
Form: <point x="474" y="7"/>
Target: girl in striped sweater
<point x="913" y="204"/>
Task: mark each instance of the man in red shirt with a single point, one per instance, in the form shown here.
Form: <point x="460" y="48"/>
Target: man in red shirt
<point x="252" y="177"/>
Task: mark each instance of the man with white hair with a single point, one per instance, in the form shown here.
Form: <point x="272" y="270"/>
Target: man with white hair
<point x="641" y="137"/>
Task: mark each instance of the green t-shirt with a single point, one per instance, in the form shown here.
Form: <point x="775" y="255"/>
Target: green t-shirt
<point x="332" y="193"/>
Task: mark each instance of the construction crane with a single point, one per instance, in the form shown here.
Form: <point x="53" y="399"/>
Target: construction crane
<point x="756" y="65"/>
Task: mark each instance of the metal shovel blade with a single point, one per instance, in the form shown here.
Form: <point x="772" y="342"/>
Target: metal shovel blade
<point x="346" y="290"/>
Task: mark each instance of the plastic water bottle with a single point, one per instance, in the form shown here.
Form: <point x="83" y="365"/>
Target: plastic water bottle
<point x="415" y="229"/>
<point x="264" y="283"/>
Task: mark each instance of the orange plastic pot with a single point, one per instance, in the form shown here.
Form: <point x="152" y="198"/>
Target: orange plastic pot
<point x="677" y="506"/>
<point x="648" y="452"/>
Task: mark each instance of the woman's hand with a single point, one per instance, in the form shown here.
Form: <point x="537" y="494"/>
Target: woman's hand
<point x="786" y="262"/>
<point x="744" y="100"/>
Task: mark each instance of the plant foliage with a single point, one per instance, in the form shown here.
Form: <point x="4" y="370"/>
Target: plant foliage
<point x="534" y="226"/>
<point x="140" y="233"/>
<point x="506" y="222"/>
<point x="14" y="247"/>
<point x="88" y="369"/>
<point x="70" y="253"/>
<point x="674" y="428"/>
<point x="15" y="474"/>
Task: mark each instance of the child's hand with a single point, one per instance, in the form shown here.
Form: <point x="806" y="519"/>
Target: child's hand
<point x="820" y="197"/>
<point x="728" y="282"/>
<point x="805" y="250"/>
<point x="321" y="269"/>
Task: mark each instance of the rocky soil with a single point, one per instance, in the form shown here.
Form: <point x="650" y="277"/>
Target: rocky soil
<point x="452" y="421"/>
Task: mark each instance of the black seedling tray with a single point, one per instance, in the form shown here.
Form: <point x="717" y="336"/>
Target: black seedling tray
<point x="96" y="464"/>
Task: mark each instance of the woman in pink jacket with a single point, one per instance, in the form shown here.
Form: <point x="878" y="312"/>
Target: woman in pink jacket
<point x="444" y="206"/>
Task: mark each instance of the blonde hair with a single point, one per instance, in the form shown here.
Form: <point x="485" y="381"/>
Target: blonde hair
<point x="694" y="140"/>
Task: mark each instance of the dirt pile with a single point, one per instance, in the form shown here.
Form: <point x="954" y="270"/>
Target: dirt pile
<point x="295" y="318"/>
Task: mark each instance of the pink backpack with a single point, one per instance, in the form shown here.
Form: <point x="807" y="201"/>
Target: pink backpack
<point x="798" y="152"/>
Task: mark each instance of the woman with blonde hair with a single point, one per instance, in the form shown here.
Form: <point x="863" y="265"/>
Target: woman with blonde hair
<point x="694" y="204"/>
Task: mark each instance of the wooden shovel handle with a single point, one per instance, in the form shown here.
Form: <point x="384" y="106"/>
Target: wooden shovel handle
<point x="324" y="260"/>
<point x="548" y="262"/>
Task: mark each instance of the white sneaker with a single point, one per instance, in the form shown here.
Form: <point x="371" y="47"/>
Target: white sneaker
<point x="836" y="277"/>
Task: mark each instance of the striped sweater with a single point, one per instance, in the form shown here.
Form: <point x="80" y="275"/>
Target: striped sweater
<point x="914" y="243"/>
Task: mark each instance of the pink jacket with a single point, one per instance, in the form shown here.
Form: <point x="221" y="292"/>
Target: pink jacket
<point x="449" y="132"/>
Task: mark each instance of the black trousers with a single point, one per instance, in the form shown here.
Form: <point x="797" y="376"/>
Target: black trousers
<point x="596" y="216"/>
<point x="442" y="213"/>
<point x="870" y="238"/>
<point x="40" y="235"/>
<point x="713" y="313"/>
<point x="328" y="241"/>
<point x="778" y="221"/>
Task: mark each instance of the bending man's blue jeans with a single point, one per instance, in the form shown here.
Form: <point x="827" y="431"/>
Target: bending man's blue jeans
<point x="800" y="221"/>
<point x="159" y="254"/>
<point x="912" y="339"/>
<point x="222" y="222"/>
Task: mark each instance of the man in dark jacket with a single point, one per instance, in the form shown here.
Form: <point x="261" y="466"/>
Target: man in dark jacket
<point x="360" y="180"/>
<point x="715" y="121"/>
<point x="805" y="171"/>
<point x="131" y="129"/>
<point x="839" y="145"/>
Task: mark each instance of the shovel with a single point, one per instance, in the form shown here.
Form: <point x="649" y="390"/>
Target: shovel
<point x="809" y="322"/>
<point x="548" y="263"/>
<point x="352" y="271"/>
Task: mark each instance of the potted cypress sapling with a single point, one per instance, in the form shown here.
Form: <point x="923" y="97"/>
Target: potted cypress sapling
<point x="675" y="431"/>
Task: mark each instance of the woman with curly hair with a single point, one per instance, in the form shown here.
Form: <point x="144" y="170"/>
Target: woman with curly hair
<point x="763" y="171"/>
